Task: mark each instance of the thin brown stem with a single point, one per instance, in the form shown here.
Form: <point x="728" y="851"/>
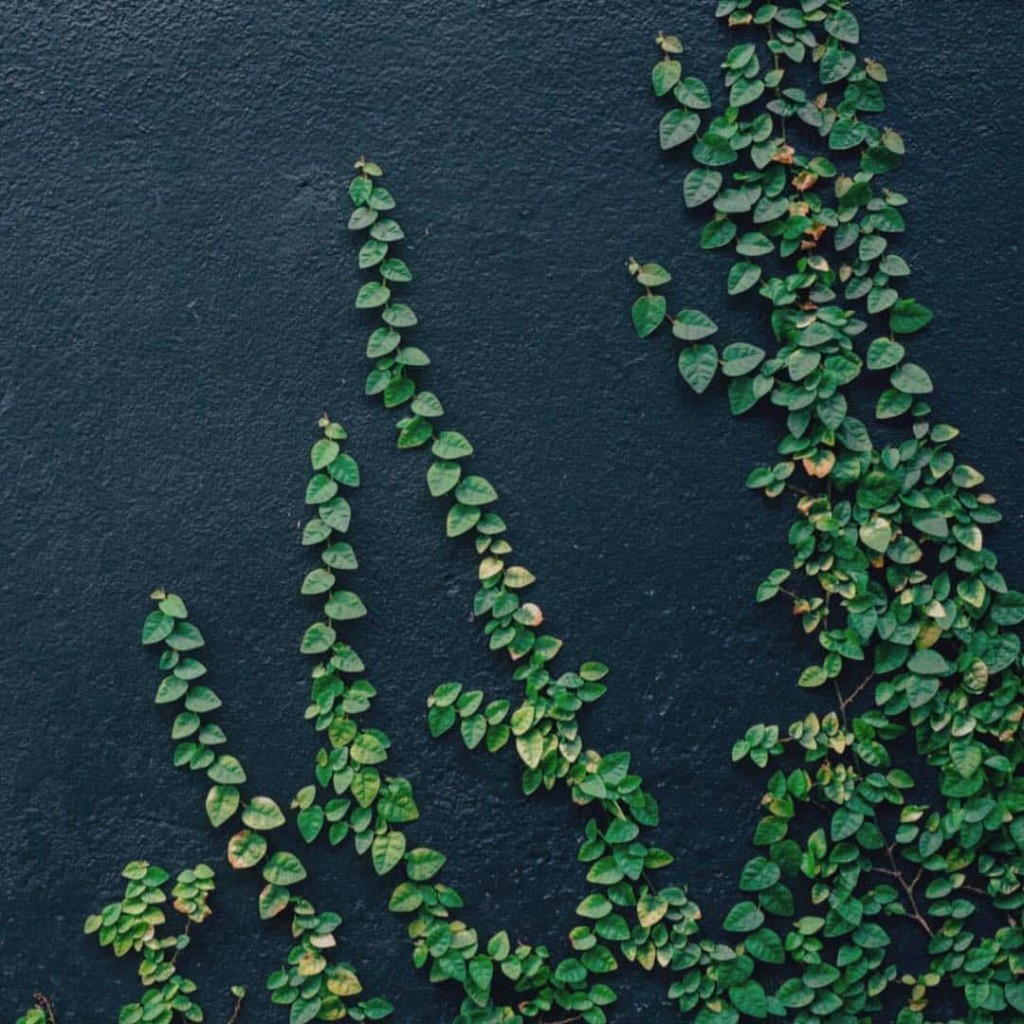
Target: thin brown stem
<point x="46" y="1006"/>
<point x="850" y="698"/>
<point x="177" y="952"/>
<point x="237" y="1010"/>
<point x="908" y="888"/>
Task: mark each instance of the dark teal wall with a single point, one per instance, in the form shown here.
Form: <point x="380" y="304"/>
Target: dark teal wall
<point x="176" y="312"/>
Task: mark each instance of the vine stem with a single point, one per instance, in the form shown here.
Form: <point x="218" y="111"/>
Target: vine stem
<point x="237" y="1010"/>
<point x="188" y="927"/>
<point x="908" y="888"/>
<point x="46" y="1006"/>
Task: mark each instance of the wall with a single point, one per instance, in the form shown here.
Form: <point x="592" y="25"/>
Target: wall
<point x="176" y="312"/>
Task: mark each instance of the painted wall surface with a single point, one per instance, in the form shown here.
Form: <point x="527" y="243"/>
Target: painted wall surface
<point x="176" y="313"/>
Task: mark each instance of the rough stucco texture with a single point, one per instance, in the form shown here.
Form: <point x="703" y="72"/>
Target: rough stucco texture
<point x="176" y="312"/>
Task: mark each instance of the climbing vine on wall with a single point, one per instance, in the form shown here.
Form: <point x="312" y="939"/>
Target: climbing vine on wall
<point x="893" y="813"/>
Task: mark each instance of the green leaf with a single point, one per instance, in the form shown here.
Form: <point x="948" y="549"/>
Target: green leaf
<point x="693" y="325"/>
<point x="368" y="749"/>
<point x="321" y="488"/>
<point x="766" y="946"/>
<point x="697" y="365"/>
<point x="843" y="26"/>
<point x="700" y="185"/>
<point x="317" y="639"/>
<point x="892" y="403"/>
<point x="340" y="556"/>
<point x="324" y="452"/>
<point x="284" y="869"/>
<point x="423" y="863"/>
<point x="743" y="917"/>
<point x="750" y="998"/>
<point x="227" y="771"/>
<point x="876" y="534"/>
<point x="451" y="445"/>
<point x="221" y="804"/>
<point x="319" y="581"/>
<point x="272" y="900"/>
<point x="343" y="605"/>
<point x="395" y="270"/>
<point x="157" y="627"/>
<point x="651" y="275"/>
<point x="884" y="353"/>
<point x="693" y="93"/>
<point x="310" y="820"/>
<point x="1014" y="993"/>
<point x="717" y="233"/>
<point x="812" y="677"/>
<point x="262" y="814"/>
<point x="442" y="477"/>
<point x="714" y="151"/>
<point x="967" y="757"/>
<point x="595" y="906"/>
<point x="740" y="358"/>
<point x="372" y="294"/>
<point x="743" y="277"/>
<point x="475" y="490"/>
<point x="650" y="909"/>
<point x="359" y="190"/>
<point x="676" y="127"/>
<point x="911" y="379"/>
<point x="387" y="851"/>
<point x="759" y="873"/>
<point x="461" y="518"/>
<point x="426" y="403"/>
<point x="648" y="313"/>
<point x="928" y="662"/>
<point x="246" y="849"/>
<point x="664" y="75"/>
<point x="908" y="316"/>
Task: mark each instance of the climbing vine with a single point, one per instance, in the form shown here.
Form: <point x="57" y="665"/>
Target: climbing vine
<point x="890" y="578"/>
<point x="893" y="813"/>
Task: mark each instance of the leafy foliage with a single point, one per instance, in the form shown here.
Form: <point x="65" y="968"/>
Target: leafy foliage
<point x="910" y="621"/>
<point x="889" y="578"/>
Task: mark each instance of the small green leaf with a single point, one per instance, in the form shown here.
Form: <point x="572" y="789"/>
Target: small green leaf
<point x="246" y="849"/>
<point x="227" y="771"/>
<point x="344" y="605"/>
<point x="284" y="869"/>
<point x="451" y="445"/>
<point x="423" y="863"/>
<point x="221" y="804"/>
<point x="317" y="639"/>
<point x="442" y="477"/>
<point x="676" y="127"/>
<point x="744" y="917"/>
<point x="664" y="75"/>
<point x="262" y="814"/>
<point x="475" y="490"/>
<point x="812" y="677"/>
<point x="908" y="316"/>
<point x="740" y="358"/>
<point x="648" y="313"/>
<point x="693" y="325"/>
<point x="697" y="365"/>
<point x="387" y="851"/>
<point x="743" y="277"/>
<point x="157" y="627"/>
<point x="461" y="518"/>
<point x="701" y="184"/>
<point x="911" y="379"/>
<point x="372" y="294"/>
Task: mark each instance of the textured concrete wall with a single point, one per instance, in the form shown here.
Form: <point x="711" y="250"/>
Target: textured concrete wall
<point x="176" y="312"/>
